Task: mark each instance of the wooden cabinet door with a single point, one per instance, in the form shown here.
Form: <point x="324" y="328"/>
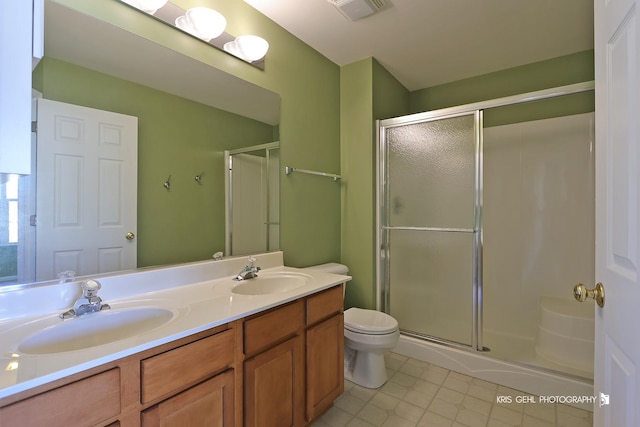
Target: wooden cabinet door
<point x="209" y="403"/>
<point x="325" y="365"/>
<point x="274" y="386"/>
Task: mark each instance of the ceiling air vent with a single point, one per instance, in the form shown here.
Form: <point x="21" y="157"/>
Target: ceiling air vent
<point x="358" y="9"/>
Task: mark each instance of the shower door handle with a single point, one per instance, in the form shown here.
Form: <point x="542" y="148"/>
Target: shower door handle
<point x="581" y="293"/>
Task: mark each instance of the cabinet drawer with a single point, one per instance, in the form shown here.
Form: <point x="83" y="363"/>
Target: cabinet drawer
<point x="168" y="372"/>
<point x="324" y="304"/>
<point x="89" y="401"/>
<point x="269" y="328"/>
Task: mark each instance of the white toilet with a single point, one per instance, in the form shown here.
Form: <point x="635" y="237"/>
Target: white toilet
<point x="368" y="335"/>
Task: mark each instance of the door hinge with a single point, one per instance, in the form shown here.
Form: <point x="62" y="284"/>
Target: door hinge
<point x="32" y="220"/>
<point x="34" y="127"/>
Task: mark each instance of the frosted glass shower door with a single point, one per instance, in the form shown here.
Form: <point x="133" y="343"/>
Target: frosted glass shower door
<point x="430" y="226"/>
<point x="252" y="197"/>
<point x="273" y="199"/>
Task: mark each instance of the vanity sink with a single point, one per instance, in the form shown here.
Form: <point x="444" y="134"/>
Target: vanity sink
<point x="95" y="329"/>
<point x="271" y="283"/>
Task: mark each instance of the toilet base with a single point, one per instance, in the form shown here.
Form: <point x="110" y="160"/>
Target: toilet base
<point x="365" y="368"/>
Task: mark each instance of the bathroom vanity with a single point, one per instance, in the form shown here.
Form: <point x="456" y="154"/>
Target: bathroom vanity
<point x="261" y="360"/>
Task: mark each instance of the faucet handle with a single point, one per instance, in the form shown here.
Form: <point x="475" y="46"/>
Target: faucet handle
<point x="66" y="276"/>
<point x="252" y="260"/>
<point x="90" y="288"/>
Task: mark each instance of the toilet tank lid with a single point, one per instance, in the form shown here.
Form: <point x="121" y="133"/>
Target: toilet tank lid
<point x="369" y="321"/>
<point x="331" y="267"/>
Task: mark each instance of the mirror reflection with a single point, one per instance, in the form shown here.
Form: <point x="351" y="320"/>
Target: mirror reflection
<point x="188" y="114"/>
<point x="252" y="199"/>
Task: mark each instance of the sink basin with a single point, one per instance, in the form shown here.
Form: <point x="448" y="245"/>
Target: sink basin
<point x="95" y="329"/>
<point x="271" y="283"/>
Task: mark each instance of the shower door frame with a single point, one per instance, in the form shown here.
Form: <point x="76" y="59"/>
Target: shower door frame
<point x="382" y="217"/>
<point x="228" y="193"/>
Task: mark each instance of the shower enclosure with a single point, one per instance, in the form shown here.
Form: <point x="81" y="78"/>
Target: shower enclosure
<point x="252" y="199"/>
<point x="485" y="223"/>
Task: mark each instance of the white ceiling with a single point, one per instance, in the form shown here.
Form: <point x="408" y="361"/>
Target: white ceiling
<point x="429" y="42"/>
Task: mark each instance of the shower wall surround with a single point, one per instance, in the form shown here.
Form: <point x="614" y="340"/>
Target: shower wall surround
<point x="538" y="220"/>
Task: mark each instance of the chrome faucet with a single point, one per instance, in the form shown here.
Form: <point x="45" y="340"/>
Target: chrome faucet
<point x="249" y="271"/>
<point x="89" y="303"/>
<point x="67" y="276"/>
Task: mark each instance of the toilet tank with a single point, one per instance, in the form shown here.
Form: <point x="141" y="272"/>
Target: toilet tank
<point x="331" y="267"/>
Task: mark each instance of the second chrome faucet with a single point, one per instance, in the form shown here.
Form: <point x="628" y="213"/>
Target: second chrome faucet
<point x="90" y="301"/>
<point x="249" y="271"/>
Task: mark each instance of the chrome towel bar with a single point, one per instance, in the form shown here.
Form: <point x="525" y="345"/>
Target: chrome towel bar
<point x="289" y="170"/>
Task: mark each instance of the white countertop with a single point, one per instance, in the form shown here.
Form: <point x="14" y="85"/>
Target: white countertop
<point x="198" y="294"/>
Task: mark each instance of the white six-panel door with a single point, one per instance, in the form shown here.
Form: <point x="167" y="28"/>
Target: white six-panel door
<point x="86" y="190"/>
<point x="617" y="352"/>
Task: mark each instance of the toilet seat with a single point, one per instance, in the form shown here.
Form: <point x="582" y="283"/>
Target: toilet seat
<point x="369" y="322"/>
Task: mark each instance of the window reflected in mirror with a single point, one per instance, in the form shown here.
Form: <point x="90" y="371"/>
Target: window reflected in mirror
<point x="16" y="234"/>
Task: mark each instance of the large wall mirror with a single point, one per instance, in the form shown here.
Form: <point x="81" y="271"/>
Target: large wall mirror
<point x="188" y="114"/>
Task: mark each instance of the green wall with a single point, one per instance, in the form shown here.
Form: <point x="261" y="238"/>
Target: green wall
<point x="176" y="137"/>
<point x="368" y="92"/>
<point x="565" y="70"/>
<point x="390" y="97"/>
<point x="561" y="71"/>
<point x="309" y="87"/>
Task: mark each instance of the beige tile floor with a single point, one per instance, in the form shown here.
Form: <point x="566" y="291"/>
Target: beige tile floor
<point x="422" y="394"/>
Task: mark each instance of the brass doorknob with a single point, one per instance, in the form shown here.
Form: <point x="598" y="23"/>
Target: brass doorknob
<point x="581" y="293"/>
<point x="130" y="236"/>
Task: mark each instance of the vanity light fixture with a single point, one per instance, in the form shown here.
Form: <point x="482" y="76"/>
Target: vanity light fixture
<point x="207" y="25"/>
<point x="248" y="47"/>
<point x="148" y="6"/>
<point x="202" y="22"/>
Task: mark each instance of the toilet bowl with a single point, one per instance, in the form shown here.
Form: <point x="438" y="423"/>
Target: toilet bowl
<point x="368" y="335"/>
